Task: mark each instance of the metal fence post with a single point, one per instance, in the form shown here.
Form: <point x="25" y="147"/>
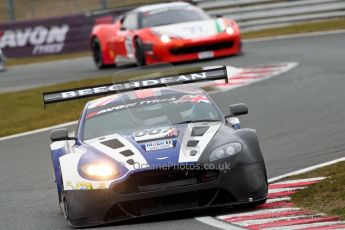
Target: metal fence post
<point x="104" y="4"/>
<point x="11" y="12"/>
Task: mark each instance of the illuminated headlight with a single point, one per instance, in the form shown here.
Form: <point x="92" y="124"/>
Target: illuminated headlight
<point x="225" y="151"/>
<point x="229" y="30"/>
<point x="165" y="38"/>
<point x="100" y="171"/>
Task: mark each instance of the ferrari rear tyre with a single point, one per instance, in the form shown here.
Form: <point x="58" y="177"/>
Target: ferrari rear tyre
<point x="139" y="52"/>
<point x="97" y="54"/>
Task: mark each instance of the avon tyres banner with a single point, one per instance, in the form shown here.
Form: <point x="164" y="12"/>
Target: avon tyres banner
<point x="52" y="35"/>
<point x="45" y="36"/>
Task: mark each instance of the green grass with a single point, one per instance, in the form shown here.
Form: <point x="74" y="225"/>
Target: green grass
<point x="327" y="196"/>
<point x="46" y="58"/>
<point x="23" y="111"/>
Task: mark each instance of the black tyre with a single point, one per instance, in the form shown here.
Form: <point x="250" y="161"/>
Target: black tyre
<point x="139" y="52"/>
<point x="63" y="206"/>
<point x="97" y="54"/>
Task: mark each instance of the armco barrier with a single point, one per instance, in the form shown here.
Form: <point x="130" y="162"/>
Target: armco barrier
<point x="261" y="14"/>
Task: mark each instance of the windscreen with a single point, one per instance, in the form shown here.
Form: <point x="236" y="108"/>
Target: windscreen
<point x="149" y="112"/>
<point x="172" y="15"/>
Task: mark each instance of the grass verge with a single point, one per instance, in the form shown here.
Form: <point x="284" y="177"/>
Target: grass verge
<point x="23" y="111"/>
<point x="327" y="25"/>
<point x="46" y="58"/>
<point x="327" y="196"/>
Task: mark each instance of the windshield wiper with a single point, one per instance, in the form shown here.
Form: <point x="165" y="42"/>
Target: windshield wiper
<point x="194" y="121"/>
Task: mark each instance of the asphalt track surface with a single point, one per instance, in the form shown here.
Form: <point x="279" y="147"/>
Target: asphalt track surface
<point x="299" y="116"/>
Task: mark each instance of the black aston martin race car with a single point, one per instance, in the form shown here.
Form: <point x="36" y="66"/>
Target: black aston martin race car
<point x="154" y="146"/>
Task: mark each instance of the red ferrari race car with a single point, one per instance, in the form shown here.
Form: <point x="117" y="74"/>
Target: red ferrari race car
<point x="167" y="32"/>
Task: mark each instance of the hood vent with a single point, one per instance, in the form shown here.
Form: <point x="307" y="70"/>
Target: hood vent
<point x="114" y="144"/>
<point x="192" y="143"/>
<point x="199" y="131"/>
<point x="127" y="153"/>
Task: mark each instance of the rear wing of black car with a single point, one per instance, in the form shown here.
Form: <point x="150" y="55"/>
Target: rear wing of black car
<point x="206" y="74"/>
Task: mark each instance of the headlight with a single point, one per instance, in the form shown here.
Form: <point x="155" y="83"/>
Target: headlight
<point x="225" y="151"/>
<point x="100" y="171"/>
<point x="165" y="38"/>
<point x="229" y="30"/>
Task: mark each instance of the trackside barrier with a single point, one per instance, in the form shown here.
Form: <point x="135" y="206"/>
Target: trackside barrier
<point x="261" y="14"/>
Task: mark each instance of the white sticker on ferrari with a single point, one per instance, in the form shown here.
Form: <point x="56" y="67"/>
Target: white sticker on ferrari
<point x="189" y="30"/>
<point x="129" y="47"/>
<point x="205" y="54"/>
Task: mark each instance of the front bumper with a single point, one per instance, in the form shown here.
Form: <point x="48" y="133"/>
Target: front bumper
<point x="240" y="185"/>
<point x="189" y="50"/>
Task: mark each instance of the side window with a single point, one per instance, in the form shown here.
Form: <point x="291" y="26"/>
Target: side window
<point x="131" y="21"/>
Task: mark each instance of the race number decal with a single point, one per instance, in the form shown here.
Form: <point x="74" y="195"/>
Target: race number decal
<point x="154" y="134"/>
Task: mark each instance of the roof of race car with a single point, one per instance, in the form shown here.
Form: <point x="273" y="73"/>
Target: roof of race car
<point x="161" y="6"/>
<point x="141" y="94"/>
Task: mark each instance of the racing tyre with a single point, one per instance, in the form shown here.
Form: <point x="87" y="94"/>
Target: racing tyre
<point x="2" y="62"/>
<point x="139" y="52"/>
<point x="63" y="206"/>
<point x="97" y="54"/>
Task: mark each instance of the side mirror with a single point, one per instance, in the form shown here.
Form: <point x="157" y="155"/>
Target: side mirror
<point x="237" y="110"/>
<point x="60" y="135"/>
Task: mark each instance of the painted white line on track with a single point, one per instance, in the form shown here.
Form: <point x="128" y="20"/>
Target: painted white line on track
<point x="300" y="181"/>
<point x="275" y="219"/>
<point x="279" y="199"/>
<point x="38" y="130"/>
<point x="216" y="223"/>
<point x="291" y="36"/>
<point x="261" y="211"/>
<point x="313" y="225"/>
<point x="275" y="190"/>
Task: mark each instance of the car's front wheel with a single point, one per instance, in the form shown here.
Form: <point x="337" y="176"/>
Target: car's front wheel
<point x="63" y="206"/>
<point x="139" y="52"/>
